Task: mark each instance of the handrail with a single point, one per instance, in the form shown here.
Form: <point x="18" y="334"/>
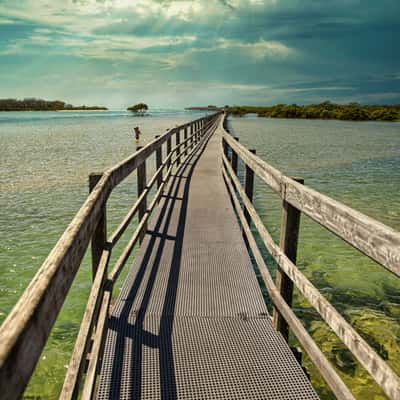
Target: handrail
<point x="371" y="237"/>
<point x="284" y="186"/>
<point x="73" y="374"/>
<point x="132" y="212"/>
<point x="28" y="325"/>
<point x="316" y="355"/>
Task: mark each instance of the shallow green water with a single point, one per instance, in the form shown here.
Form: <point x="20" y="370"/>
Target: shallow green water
<point x="358" y="164"/>
<point x="44" y="163"/>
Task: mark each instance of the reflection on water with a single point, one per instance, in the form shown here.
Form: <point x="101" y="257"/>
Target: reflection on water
<point x="358" y="164"/>
<point x="44" y="163"/>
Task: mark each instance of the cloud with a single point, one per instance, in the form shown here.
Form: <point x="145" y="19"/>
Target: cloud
<point x="223" y="48"/>
<point x="260" y="49"/>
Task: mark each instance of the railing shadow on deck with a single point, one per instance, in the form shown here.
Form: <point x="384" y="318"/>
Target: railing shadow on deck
<point x="155" y="243"/>
<point x="24" y="332"/>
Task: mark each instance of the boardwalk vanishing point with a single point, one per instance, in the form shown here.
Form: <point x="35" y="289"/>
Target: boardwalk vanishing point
<point x="190" y="321"/>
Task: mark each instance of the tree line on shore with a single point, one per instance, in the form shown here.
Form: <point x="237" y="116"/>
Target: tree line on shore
<point x="33" y="104"/>
<point x="325" y="110"/>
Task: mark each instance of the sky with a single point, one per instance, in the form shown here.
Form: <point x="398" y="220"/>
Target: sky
<point x="181" y="53"/>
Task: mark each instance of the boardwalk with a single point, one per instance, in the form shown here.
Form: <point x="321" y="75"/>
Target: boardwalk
<point x="190" y="322"/>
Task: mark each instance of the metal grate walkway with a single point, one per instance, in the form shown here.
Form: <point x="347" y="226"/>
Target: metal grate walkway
<point x="190" y="321"/>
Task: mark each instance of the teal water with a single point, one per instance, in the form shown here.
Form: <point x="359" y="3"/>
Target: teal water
<point x="45" y="159"/>
<point x="359" y="165"/>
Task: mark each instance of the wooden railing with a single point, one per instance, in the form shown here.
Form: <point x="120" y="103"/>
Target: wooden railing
<point x="371" y="237"/>
<point x="26" y="329"/>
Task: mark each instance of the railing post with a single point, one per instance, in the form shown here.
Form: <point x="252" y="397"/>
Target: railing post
<point x="290" y="225"/>
<point x="141" y="186"/>
<point x="185" y="136"/>
<point x="169" y="150"/>
<point x="178" y="150"/>
<point x="198" y="130"/>
<point x="234" y="159"/>
<point x="249" y="187"/>
<point x="158" y="164"/>
<point x="225" y="147"/>
<point x="99" y="238"/>
<point x="191" y="137"/>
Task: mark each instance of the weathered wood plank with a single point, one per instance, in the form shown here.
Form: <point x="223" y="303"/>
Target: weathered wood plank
<point x="185" y="140"/>
<point x="159" y="163"/>
<point x="290" y="226"/>
<point x="234" y="159"/>
<point x="132" y="212"/>
<point x="141" y="188"/>
<point x="99" y="237"/>
<point x="75" y="367"/>
<point x="24" y="332"/>
<point x="318" y="358"/>
<point x="169" y="145"/>
<point x="370" y="360"/>
<point x="249" y="186"/>
<point x="371" y="237"/>
<point x="267" y="173"/>
<point x="97" y="349"/>
<point x="178" y="147"/>
<point x="191" y="136"/>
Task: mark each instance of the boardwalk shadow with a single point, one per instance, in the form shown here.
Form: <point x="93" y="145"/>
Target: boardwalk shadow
<point x="123" y="326"/>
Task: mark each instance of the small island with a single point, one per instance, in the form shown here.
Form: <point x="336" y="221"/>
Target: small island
<point x="325" y="110"/>
<point x="138" y="109"/>
<point x="33" y="104"/>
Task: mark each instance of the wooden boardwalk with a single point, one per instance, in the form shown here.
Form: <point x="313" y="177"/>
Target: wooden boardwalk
<point x="191" y="322"/>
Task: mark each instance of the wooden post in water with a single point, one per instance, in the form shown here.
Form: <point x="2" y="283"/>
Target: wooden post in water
<point x="178" y="150"/>
<point x="99" y="238"/>
<point x="158" y="164"/>
<point x="290" y="226"/>
<point x="235" y="159"/>
<point x="141" y="185"/>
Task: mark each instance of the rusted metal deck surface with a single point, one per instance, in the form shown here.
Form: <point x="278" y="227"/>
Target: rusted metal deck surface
<point x="191" y="322"/>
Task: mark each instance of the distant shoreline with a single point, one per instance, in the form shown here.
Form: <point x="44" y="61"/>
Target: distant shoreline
<point x="84" y="109"/>
<point x="33" y="104"/>
<point x="322" y="111"/>
<point x="74" y="110"/>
